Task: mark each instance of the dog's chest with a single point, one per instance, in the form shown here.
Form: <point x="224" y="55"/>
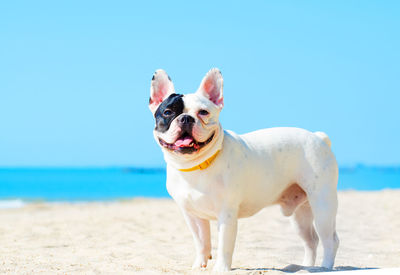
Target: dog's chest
<point x="197" y="195"/>
<point x="199" y="204"/>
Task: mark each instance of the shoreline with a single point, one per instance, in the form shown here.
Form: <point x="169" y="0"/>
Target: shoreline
<point x="10" y="203"/>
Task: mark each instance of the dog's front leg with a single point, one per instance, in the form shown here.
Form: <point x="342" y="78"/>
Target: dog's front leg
<point x="200" y="229"/>
<point x="227" y="228"/>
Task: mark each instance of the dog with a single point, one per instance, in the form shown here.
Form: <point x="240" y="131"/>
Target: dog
<point x="214" y="174"/>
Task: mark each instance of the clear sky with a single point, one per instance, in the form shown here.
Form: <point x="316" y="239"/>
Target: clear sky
<point x="75" y="75"/>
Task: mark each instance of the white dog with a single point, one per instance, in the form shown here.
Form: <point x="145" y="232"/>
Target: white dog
<point x="214" y="174"/>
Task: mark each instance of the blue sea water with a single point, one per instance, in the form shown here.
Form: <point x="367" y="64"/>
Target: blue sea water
<point x="97" y="184"/>
<point x="73" y="184"/>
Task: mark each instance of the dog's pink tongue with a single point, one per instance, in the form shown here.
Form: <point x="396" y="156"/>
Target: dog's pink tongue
<point x="184" y="142"/>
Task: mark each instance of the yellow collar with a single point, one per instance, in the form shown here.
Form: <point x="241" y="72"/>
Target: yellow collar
<point x="202" y="165"/>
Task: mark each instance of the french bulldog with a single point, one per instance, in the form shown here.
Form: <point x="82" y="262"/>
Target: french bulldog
<point x="214" y="174"/>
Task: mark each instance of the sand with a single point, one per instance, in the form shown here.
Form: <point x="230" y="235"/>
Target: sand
<point x="149" y="236"/>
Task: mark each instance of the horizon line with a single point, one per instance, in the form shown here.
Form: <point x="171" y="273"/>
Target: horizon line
<point x="163" y="167"/>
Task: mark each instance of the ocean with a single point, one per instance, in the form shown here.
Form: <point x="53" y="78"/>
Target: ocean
<point x="102" y="184"/>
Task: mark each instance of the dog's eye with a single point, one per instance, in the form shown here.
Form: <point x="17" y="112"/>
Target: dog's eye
<point x="167" y="112"/>
<point x="203" y="112"/>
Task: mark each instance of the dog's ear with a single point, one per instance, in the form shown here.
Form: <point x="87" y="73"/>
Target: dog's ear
<point x="211" y="87"/>
<point x="161" y="88"/>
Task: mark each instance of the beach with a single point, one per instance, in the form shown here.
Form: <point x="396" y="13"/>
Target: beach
<point x="149" y="236"/>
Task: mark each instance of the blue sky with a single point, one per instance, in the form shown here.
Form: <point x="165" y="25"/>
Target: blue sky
<point x="75" y="75"/>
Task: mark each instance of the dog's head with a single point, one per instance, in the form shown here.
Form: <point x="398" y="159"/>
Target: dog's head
<point x="187" y="126"/>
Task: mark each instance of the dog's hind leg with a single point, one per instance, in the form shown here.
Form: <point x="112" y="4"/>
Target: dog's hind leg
<point x="302" y="221"/>
<point x="324" y="208"/>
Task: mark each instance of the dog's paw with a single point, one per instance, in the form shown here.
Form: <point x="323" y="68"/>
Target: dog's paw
<point x="200" y="262"/>
<point x="221" y="267"/>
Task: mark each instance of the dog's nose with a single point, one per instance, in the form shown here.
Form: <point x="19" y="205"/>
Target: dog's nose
<point x="186" y="119"/>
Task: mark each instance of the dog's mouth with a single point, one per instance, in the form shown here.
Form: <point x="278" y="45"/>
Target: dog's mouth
<point x="186" y="144"/>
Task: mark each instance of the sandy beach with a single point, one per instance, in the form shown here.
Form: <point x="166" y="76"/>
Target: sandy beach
<point x="149" y="236"/>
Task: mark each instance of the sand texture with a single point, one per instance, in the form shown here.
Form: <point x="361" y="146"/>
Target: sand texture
<point x="149" y="236"/>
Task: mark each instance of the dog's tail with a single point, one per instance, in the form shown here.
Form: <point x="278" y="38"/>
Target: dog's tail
<point x="324" y="137"/>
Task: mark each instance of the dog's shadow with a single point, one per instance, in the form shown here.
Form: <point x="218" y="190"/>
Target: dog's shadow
<point x="292" y="268"/>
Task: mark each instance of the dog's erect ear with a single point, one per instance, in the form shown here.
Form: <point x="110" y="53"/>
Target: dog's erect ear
<point x="211" y="87"/>
<point x="161" y="88"/>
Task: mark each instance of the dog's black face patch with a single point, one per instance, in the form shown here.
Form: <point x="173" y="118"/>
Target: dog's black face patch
<point x="168" y="110"/>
